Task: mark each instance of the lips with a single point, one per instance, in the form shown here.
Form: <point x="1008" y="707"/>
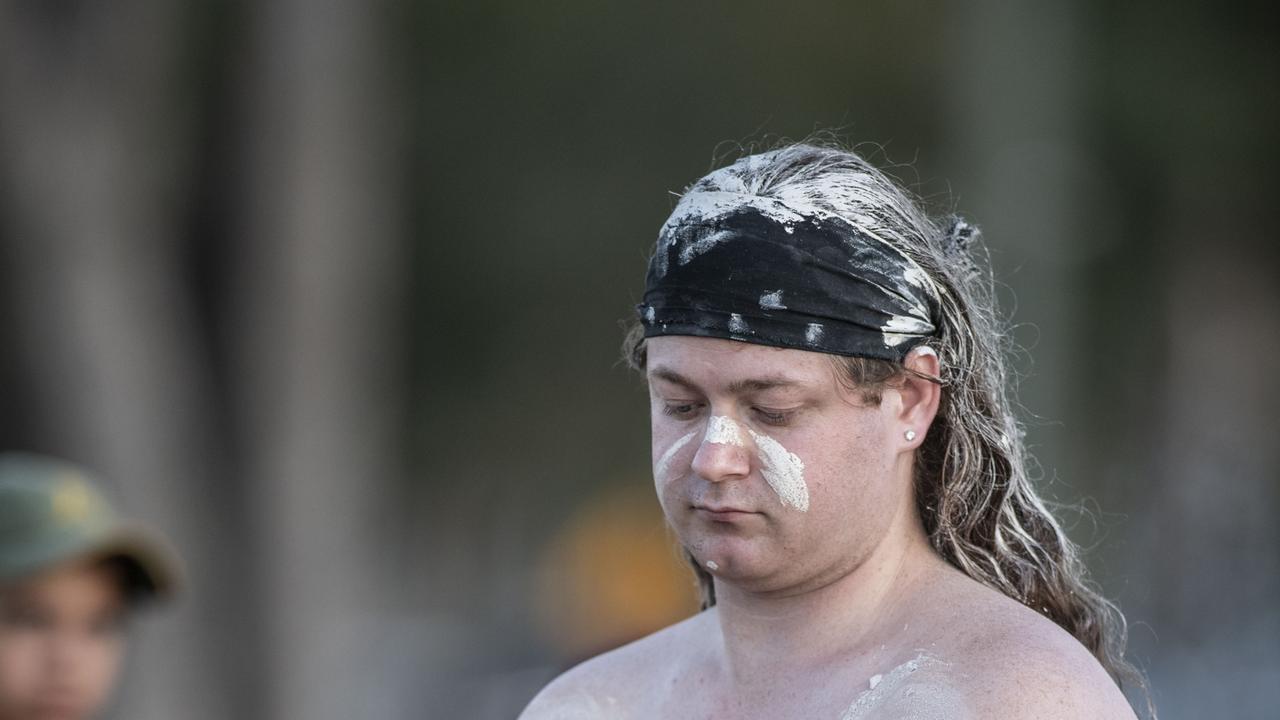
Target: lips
<point x="723" y="513"/>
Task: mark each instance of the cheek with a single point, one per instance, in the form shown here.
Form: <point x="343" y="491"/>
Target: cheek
<point x="20" y="663"/>
<point x="102" y="665"/>
<point x="847" y="473"/>
<point x="668" y="460"/>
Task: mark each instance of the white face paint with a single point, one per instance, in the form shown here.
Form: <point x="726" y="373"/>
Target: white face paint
<point x="724" y="431"/>
<point x="664" y="462"/>
<point x="783" y="470"/>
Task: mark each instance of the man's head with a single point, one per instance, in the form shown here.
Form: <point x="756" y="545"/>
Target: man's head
<point x="775" y="474"/>
<point x="71" y="571"/>
<point x="815" y="250"/>
<point x="812" y="256"/>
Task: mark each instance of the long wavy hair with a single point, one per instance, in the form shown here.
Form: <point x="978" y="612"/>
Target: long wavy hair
<point x="972" y="489"/>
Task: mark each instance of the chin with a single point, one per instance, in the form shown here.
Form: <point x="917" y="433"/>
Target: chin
<point x="736" y="559"/>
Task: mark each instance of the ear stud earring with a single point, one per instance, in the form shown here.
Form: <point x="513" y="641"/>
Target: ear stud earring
<point x="909" y="435"/>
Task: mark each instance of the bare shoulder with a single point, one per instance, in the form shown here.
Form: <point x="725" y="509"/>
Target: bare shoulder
<point x="1015" y="663"/>
<point x="620" y="683"/>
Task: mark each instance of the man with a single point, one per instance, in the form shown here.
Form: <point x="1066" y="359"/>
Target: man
<point x="833" y="448"/>
<point x="71" y="574"/>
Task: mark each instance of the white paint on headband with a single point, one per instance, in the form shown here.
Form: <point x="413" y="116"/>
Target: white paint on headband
<point x="772" y="300"/>
<point x="901" y="328"/>
<point x="793" y="203"/>
<point x="702" y="205"/>
<point x="783" y="470"/>
<point x="813" y="333"/>
<point x="916" y="276"/>
<point x="660" y="467"/>
<point x="723" y="431"/>
<point x="701" y="245"/>
<point x="863" y="198"/>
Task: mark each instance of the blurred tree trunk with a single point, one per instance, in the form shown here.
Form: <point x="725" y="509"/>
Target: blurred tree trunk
<point x="318" y="281"/>
<point x="91" y="149"/>
<point x="280" y="523"/>
<point x="1018" y="149"/>
<point x="1210" y="517"/>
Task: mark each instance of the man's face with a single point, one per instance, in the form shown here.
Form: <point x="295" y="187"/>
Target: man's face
<point x="775" y="476"/>
<point x="61" y="642"/>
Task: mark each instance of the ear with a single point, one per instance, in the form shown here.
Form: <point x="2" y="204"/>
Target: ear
<point x="919" y="396"/>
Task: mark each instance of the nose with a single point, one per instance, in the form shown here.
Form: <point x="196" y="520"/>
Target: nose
<point x="722" y="454"/>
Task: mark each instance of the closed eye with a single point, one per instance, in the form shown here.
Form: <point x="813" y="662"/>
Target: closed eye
<point x="773" y="417"/>
<point x="681" y="411"/>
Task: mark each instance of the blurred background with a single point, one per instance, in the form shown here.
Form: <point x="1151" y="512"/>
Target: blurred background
<point x="332" y="291"/>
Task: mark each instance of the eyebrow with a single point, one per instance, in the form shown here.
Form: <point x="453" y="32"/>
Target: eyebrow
<point x="767" y="382"/>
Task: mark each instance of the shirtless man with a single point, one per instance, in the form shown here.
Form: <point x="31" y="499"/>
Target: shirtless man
<point x="833" y="447"/>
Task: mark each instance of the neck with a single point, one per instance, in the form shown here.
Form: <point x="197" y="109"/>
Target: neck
<point x="767" y="635"/>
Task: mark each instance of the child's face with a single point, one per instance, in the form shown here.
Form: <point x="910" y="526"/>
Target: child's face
<point x="61" y="642"/>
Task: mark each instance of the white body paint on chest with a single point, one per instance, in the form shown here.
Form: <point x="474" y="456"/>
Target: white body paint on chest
<point x="898" y="690"/>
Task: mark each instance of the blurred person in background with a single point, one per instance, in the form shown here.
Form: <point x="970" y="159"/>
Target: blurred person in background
<point x="72" y="573"/>
<point x="835" y="450"/>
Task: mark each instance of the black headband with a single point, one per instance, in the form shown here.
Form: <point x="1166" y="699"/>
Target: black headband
<point x="758" y="270"/>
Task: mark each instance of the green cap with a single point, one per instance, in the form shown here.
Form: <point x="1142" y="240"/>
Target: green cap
<point x="52" y="512"/>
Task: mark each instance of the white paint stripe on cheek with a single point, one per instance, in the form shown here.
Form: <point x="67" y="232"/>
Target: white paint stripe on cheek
<point x="660" y="467"/>
<point x="783" y="470"/>
<point x="724" y="431"/>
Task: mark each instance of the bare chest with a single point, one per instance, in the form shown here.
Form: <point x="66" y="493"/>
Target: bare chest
<point x="919" y="688"/>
